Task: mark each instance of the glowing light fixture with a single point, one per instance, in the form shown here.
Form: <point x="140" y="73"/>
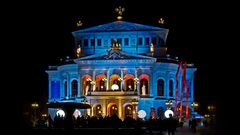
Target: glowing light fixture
<point x="60" y="113"/>
<point x="76" y="113"/>
<point x="142" y="114"/>
<point x="115" y="87"/>
<point x="166" y="113"/>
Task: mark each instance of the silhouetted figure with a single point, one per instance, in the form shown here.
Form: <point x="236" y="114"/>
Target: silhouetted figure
<point x="171" y="125"/>
<point x="194" y="125"/>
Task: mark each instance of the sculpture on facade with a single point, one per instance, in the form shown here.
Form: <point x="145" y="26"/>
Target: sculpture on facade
<point x="143" y="89"/>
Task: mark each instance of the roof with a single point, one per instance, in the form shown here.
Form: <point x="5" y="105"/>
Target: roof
<point x="121" y="26"/>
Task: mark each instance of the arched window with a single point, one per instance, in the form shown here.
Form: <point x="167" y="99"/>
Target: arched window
<point x="74" y="88"/>
<point x="129" y="111"/>
<point x="160" y="87"/>
<point x="65" y="88"/>
<point x="171" y="88"/>
<point x="144" y="87"/>
<point x="130" y="85"/>
<point x="98" y="110"/>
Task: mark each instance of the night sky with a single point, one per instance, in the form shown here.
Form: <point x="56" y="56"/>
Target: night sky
<point x="44" y="31"/>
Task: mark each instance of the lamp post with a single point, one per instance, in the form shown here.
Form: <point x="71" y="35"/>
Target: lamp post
<point x="211" y="109"/>
<point x="134" y="103"/>
<point x="169" y="104"/>
<point x="195" y="106"/>
<point x="34" y="107"/>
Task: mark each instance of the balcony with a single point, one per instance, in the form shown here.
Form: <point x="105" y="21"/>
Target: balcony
<point x="112" y="93"/>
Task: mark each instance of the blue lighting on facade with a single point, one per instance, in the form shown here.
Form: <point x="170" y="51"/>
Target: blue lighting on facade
<point x="119" y="53"/>
<point x="55" y="89"/>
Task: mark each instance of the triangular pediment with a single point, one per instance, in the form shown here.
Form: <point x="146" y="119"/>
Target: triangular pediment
<point x="121" y="26"/>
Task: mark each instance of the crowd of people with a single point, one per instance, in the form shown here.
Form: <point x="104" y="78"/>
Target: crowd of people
<point x="167" y="124"/>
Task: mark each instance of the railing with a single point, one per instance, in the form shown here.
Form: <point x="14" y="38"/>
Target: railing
<point x="111" y="93"/>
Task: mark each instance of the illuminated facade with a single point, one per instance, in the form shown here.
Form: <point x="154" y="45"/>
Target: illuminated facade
<point x="122" y="67"/>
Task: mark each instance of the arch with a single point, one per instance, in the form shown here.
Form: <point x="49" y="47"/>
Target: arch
<point x="115" y="79"/>
<point x="128" y="110"/>
<point x="112" y="109"/>
<point x="74" y="88"/>
<point x="86" y="84"/>
<point x="129" y="82"/>
<point x="160" y="87"/>
<point x="97" y="109"/>
<point x="144" y="84"/>
<point x="100" y="83"/>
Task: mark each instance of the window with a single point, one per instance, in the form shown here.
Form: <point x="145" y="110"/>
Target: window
<point x="126" y="41"/>
<point x="160" y="87"/>
<point x="139" y="41"/>
<point x="85" y="42"/>
<point x="74" y="88"/>
<point x="147" y="41"/>
<point x="92" y="42"/>
<point x="154" y="40"/>
<point x="99" y="42"/>
<point x="171" y="88"/>
<point x="119" y="41"/>
<point x="112" y="41"/>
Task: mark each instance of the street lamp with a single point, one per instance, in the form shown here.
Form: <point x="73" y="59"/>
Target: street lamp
<point x="34" y="107"/>
<point x="195" y="106"/>
<point x="169" y="104"/>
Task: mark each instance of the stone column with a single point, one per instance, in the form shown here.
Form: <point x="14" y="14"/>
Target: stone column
<point x="69" y="86"/>
<point x="49" y="88"/>
<point x="104" y="108"/>
<point x="79" y="85"/>
<point x="122" y="81"/>
<point x="135" y="81"/>
<point x="108" y="81"/>
<point x="120" y="108"/>
<point x="94" y="78"/>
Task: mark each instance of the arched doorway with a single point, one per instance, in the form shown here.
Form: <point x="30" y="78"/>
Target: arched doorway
<point x="97" y="110"/>
<point x="128" y="110"/>
<point x="112" y="109"/>
<point x="86" y="84"/>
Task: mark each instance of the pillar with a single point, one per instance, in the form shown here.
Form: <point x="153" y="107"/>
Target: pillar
<point x="104" y="108"/>
<point x="94" y="78"/>
<point x="122" y="81"/>
<point x="108" y="79"/>
<point x="120" y="108"/>
<point x="49" y="88"/>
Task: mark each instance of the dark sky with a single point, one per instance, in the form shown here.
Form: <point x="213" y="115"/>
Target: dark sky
<point x="46" y="37"/>
<point x="41" y="35"/>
